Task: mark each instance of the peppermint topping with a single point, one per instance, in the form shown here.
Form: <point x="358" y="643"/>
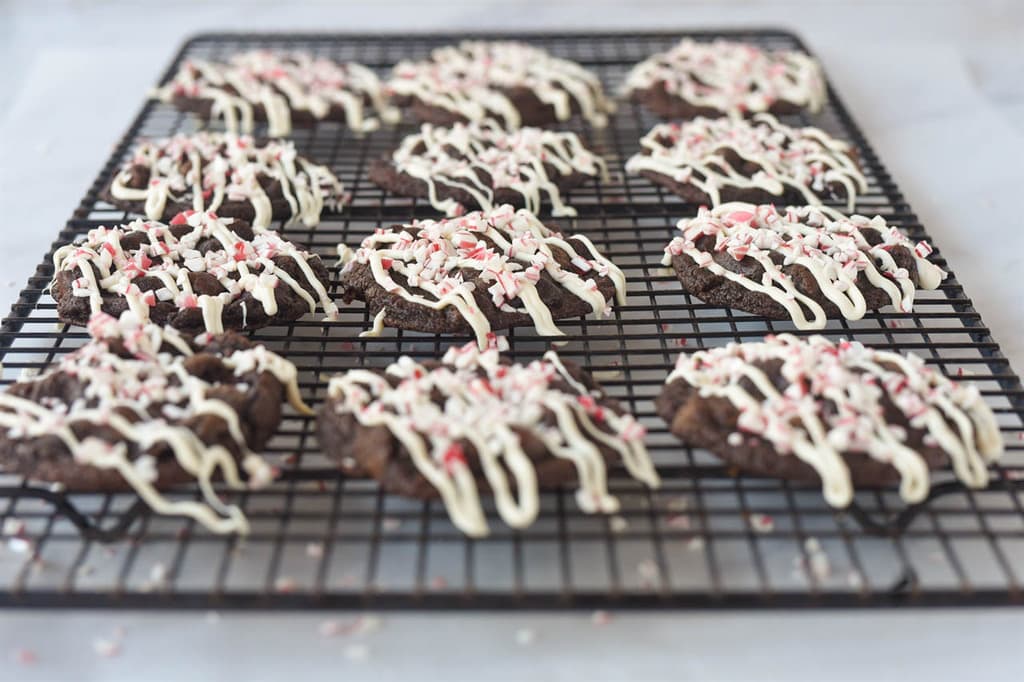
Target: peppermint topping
<point x="476" y="80"/>
<point x="819" y="400"/>
<point x="703" y="152"/>
<point x="480" y="158"/>
<point x="164" y="264"/>
<point x="836" y="251"/>
<point x="473" y="401"/>
<point x="274" y="84"/>
<point x="501" y="254"/>
<point x="733" y="78"/>
<point x="137" y="384"/>
<point x="207" y="170"/>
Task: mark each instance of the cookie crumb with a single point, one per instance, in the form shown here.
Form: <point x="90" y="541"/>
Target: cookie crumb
<point x="600" y="617"/>
<point x="618" y="524"/>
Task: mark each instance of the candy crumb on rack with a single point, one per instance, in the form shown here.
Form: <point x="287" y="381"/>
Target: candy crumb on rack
<point x="761" y="523"/>
<point x="24" y="656"/>
<point x="525" y="636"/>
<point x="357" y="653"/>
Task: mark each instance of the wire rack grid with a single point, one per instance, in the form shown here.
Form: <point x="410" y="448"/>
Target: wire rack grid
<point x="706" y="539"/>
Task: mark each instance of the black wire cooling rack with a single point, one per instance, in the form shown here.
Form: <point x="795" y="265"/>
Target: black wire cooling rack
<point x="706" y="538"/>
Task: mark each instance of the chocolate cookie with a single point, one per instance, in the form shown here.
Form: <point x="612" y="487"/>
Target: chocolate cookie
<point x="486" y="270"/>
<point x="457" y="428"/>
<point x="284" y="89"/>
<point x="199" y="273"/>
<point x="480" y="165"/>
<point x="761" y="161"/>
<point x="515" y="83"/>
<point x="844" y="414"/>
<point x="230" y="175"/>
<point x="726" y="78"/>
<point x="800" y="265"/>
<point x="140" y="408"/>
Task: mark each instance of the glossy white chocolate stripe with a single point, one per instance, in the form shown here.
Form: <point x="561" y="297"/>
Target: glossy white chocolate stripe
<point x="227" y="168"/>
<point x="486" y="411"/>
<point x="460" y="155"/>
<point x="280" y="83"/>
<point x="469" y="79"/>
<point x="854" y="379"/>
<point x="734" y="78"/>
<point x="806" y="159"/>
<point x="173" y="260"/>
<point x="116" y="383"/>
<point x="432" y="255"/>
<point x="834" y="251"/>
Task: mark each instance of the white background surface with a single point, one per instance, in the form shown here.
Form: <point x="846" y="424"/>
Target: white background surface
<point x="938" y="88"/>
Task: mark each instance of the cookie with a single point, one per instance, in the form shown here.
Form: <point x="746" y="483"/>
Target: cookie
<point x="800" y="264"/>
<point x="840" y="413"/>
<point x="199" y="273"/>
<point x="726" y="78"/>
<point x="230" y="175"/>
<point x="283" y="89"/>
<point x="480" y="165"/>
<point x="475" y="424"/>
<point x="483" y="271"/>
<point x="761" y="161"/>
<point x="515" y="83"/>
<point x="141" y="408"/>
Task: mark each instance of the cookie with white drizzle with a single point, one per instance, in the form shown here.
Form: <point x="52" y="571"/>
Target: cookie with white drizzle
<point x="515" y="83"/>
<point x="283" y="88"/>
<point x="726" y="78"/>
<point x="476" y="424"/>
<point x="799" y="264"/>
<point x="476" y="273"/>
<point x="141" y="408"/>
<point x="758" y="160"/>
<point x="844" y="414"/>
<point x="480" y="165"/>
<point x="234" y="176"/>
<point x="198" y="273"/>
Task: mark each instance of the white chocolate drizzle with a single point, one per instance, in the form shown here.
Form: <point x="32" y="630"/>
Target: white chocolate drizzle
<point x="281" y="83"/>
<point x="239" y="266"/>
<point x="153" y="377"/>
<point x="833" y="403"/>
<point x="506" y="251"/>
<point x="481" y="157"/>
<point x="484" y="403"/>
<point x="834" y="250"/>
<point x="807" y="160"/>
<point x="208" y="169"/>
<point x="471" y="80"/>
<point x="734" y="78"/>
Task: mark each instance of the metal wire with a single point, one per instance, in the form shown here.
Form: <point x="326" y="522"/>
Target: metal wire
<point x="707" y="539"/>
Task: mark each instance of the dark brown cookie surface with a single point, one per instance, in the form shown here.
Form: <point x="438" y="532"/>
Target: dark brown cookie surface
<point x="481" y="166"/>
<point x="842" y="414"/>
<point x="233" y="176"/>
<point x="302" y="89"/>
<point x="716" y="161"/>
<point x="474" y="424"/>
<point x="199" y="273"/>
<point x="514" y="83"/>
<point x="483" y="271"/>
<point x="798" y="264"/>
